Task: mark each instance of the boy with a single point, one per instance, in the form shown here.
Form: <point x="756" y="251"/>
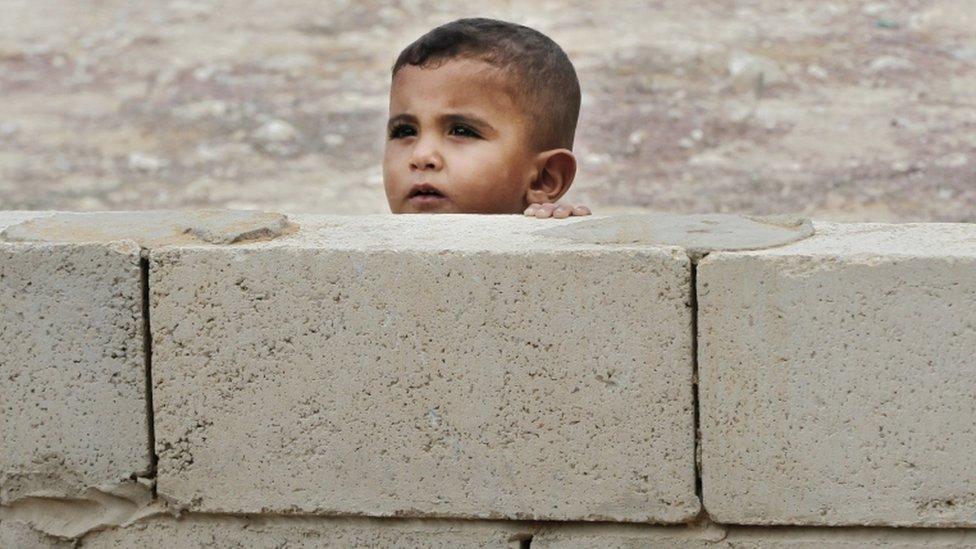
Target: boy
<point x="482" y="119"/>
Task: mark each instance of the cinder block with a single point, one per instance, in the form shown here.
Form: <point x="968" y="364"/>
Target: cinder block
<point x="415" y="366"/>
<point x="632" y="536"/>
<point x="312" y="532"/>
<point x="196" y="530"/>
<point x="838" y="378"/>
<point x="73" y="391"/>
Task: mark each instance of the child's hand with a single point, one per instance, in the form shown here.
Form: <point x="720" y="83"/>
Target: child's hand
<point x="557" y="211"/>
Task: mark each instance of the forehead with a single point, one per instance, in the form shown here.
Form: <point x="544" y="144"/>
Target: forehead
<point x="468" y="85"/>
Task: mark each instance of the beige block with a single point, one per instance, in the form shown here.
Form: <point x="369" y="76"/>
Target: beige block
<point x="633" y="536"/>
<point x="254" y="531"/>
<point x="72" y="396"/>
<point x="425" y="367"/>
<point x="602" y="536"/>
<point x="838" y="378"/>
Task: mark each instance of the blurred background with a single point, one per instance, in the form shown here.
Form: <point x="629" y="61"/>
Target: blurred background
<point x="844" y="110"/>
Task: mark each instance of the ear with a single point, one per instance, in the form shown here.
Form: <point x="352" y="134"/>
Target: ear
<point x="556" y="170"/>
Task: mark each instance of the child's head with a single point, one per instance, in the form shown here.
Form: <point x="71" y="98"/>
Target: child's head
<point x="482" y="119"/>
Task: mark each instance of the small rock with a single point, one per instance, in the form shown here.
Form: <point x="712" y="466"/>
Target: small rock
<point x="290" y="62"/>
<point x="874" y="8"/>
<point x="903" y="166"/>
<point x="201" y="109"/>
<point x="8" y="128"/>
<point x="817" y="72"/>
<point x="954" y="160"/>
<point x="636" y="138"/>
<point x="750" y="72"/>
<point x="204" y="72"/>
<point x="277" y="137"/>
<point x="333" y="139"/>
<point x="591" y="158"/>
<point x="886" y="24"/>
<point x="739" y="111"/>
<point x="219" y="152"/>
<point x="889" y="63"/>
<point x="965" y="53"/>
<point x="899" y="122"/>
<point x="275" y="131"/>
<point x="145" y="162"/>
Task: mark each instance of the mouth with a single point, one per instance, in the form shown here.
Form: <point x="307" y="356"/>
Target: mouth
<point x="425" y="194"/>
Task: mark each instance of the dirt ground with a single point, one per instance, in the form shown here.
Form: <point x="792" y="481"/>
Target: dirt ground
<point x="843" y="110"/>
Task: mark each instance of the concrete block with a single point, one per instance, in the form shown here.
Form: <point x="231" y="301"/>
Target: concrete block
<point x="633" y="536"/>
<point x="600" y="536"/>
<point x="425" y="366"/>
<point x="73" y="410"/>
<point x="838" y="378"/>
<point x="197" y="530"/>
<point x="222" y="531"/>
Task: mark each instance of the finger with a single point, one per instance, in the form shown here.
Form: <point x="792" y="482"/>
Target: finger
<point x="545" y="210"/>
<point x="534" y="207"/>
<point x="581" y="210"/>
<point x="562" y="212"/>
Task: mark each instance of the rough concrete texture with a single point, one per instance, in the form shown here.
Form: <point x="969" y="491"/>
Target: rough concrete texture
<point x="697" y="234"/>
<point x="93" y="509"/>
<point x="838" y="380"/>
<point x="605" y="536"/>
<point x="194" y="530"/>
<point x="425" y="366"/>
<point x="73" y="396"/>
<point x="153" y="228"/>
<point x="8" y="218"/>
<point x="17" y="535"/>
<point x="222" y="531"/>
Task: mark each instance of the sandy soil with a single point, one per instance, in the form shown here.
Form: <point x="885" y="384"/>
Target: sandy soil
<point x="842" y="110"/>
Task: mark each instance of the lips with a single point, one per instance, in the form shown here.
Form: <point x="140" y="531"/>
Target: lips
<point x="424" y="191"/>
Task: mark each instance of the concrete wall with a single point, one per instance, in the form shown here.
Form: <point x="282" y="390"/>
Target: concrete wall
<point x="677" y="381"/>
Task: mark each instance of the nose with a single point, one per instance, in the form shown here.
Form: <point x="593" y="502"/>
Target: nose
<point x="425" y="157"/>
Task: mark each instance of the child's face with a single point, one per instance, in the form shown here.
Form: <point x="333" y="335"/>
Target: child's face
<point x="457" y="141"/>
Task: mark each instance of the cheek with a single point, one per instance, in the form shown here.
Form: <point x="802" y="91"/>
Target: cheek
<point x="490" y="179"/>
<point x="391" y="165"/>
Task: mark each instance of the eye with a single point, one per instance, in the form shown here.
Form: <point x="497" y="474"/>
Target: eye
<point x="461" y="130"/>
<point x="402" y="130"/>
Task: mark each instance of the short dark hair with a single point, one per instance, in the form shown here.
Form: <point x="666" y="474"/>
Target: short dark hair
<point x="548" y="87"/>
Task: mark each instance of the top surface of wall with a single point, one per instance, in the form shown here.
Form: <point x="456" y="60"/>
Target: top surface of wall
<point x="8" y="218"/>
<point x="696" y="234"/>
<point x="882" y="239"/>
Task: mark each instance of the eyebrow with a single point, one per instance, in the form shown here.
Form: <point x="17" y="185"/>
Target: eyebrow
<point x="455" y="118"/>
<point x="401" y="118"/>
